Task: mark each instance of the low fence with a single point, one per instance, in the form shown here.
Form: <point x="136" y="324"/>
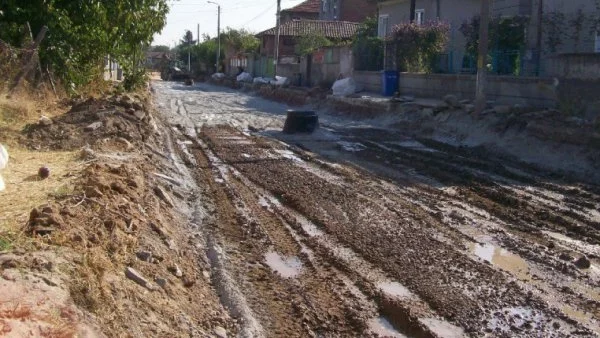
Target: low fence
<point x="527" y="91"/>
<point x="582" y="66"/>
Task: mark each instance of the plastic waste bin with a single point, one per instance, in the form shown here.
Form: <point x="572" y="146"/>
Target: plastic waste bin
<point x="390" y="82"/>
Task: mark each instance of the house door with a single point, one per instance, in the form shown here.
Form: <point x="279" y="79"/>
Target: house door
<point x="308" y="70"/>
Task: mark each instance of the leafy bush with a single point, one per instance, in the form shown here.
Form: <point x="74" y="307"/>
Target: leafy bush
<point x="417" y="46"/>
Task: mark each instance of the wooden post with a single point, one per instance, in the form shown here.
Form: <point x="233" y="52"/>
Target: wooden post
<point x="480" y="98"/>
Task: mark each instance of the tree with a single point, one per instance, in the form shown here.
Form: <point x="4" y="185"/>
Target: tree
<point x="188" y="38"/>
<point x="310" y="42"/>
<point x="82" y="33"/>
<point x="160" y="49"/>
<point x="368" y="47"/>
<point x="241" y="41"/>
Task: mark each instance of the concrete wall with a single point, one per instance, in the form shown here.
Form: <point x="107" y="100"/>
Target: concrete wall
<point x="503" y="89"/>
<point x="369" y="81"/>
<point x="575" y="66"/>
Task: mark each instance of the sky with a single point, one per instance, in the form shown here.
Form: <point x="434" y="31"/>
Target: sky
<point x="253" y="15"/>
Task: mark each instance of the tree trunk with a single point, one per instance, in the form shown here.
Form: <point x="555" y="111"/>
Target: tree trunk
<point x="413" y="5"/>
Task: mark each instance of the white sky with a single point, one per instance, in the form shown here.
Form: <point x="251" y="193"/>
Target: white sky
<point x="254" y="15"/>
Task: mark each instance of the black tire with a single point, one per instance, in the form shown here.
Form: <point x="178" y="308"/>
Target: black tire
<point x="300" y="122"/>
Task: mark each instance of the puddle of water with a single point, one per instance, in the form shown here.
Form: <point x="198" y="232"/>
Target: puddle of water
<point x="289" y="155"/>
<point x="582" y="246"/>
<point x="443" y="328"/>
<point x="384" y="328"/>
<point x="395" y="289"/>
<point x="503" y="259"/>
<point x="518" y="316"/>
<point x="351" y="146"/>
<point x="576" y="314"/>
<point x="414" y="145"/>
<point x="289" y="267"/>
<point x="263" y="202"/>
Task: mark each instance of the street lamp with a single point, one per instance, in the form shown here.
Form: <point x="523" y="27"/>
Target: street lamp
<point x="218" y="33"/>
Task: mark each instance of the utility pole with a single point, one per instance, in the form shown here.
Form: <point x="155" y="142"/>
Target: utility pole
<point x="480" y="99"/>
<point x="277" y="37"/>
<point x="198" y="35"/>
<point x="538" y="42"/>
<point x="218" y="33"/>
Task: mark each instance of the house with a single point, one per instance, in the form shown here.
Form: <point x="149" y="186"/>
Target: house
<point x="566" y="27"/>
<point x="325" y="64"/>
<point x="307" y="10"/>
<point x="347" y="10"/>
<point x="112" y="70"/>
<point x="155" y="60"/>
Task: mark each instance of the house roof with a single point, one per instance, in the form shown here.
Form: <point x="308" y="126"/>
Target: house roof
<point x="329" y="29"/>
<point x="308" y="6"/>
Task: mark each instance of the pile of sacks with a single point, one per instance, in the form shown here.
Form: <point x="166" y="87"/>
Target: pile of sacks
<point x="3" y="164"/>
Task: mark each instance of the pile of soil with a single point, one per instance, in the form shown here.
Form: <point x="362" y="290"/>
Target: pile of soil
<point x="126" y="258"/>
<point x="116" y="117"/>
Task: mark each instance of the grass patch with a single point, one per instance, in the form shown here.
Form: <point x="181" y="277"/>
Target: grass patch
<point x="5" y="243"/>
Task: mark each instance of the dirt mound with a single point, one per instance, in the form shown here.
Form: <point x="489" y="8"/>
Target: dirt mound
<point x="131" y="262"/>
<point x="117" y="117"/>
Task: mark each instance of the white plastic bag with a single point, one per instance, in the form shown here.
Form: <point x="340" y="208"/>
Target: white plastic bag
<point x="280" y="81"/>
<point x="244" y="77"/>
<point x="218" y="76"/>
<point x="3" y="164"/>
<point x="260" y="80"/>
<point x="344" y="87"/>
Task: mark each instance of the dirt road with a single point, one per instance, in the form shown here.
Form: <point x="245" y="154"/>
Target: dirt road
<point x="358" y="230"/>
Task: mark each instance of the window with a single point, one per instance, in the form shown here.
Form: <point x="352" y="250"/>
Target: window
<point x="419" y="16"/>
<point x="325" y="6"/>
<point x="382" y="26"/>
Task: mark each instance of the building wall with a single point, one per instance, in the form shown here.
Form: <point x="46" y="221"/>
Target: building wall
<point x="347" y="10"/>
<point x="267" y="45"/>
<point x="357" y="10"/>
<point x="289" y="16"/>
<point x="398" y="11"/>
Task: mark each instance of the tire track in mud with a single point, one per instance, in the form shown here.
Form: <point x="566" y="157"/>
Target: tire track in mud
<point x="551" y="276"/>
<point x="299" y="306"/>
<point x="467" y="292"/>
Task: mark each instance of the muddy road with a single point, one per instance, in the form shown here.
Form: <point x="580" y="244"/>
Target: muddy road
<point x="358" y="230"/>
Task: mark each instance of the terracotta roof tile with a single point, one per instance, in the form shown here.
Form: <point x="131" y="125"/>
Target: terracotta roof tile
<point x="308" y="6"/>
<point x="329" y="29"/>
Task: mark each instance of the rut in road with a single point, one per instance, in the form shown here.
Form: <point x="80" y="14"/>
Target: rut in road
<point x="320" y="249"/>
<point x="433" y="241"/>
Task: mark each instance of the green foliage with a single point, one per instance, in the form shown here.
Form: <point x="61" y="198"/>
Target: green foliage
<point x="159" y="49"/>
<point x="418" y="46"/>
<point x="240" y="41"/>
<point x="507" y="39"/>
<point x="82" y="33"/>
<point x="368" y="47"/>
<point x="505" y="34"/>
<point x="311" y="42"/>
<point x="5" y="244"/>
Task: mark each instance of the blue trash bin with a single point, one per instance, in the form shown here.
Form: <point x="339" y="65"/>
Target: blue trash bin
<point x="390" y="82"/>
